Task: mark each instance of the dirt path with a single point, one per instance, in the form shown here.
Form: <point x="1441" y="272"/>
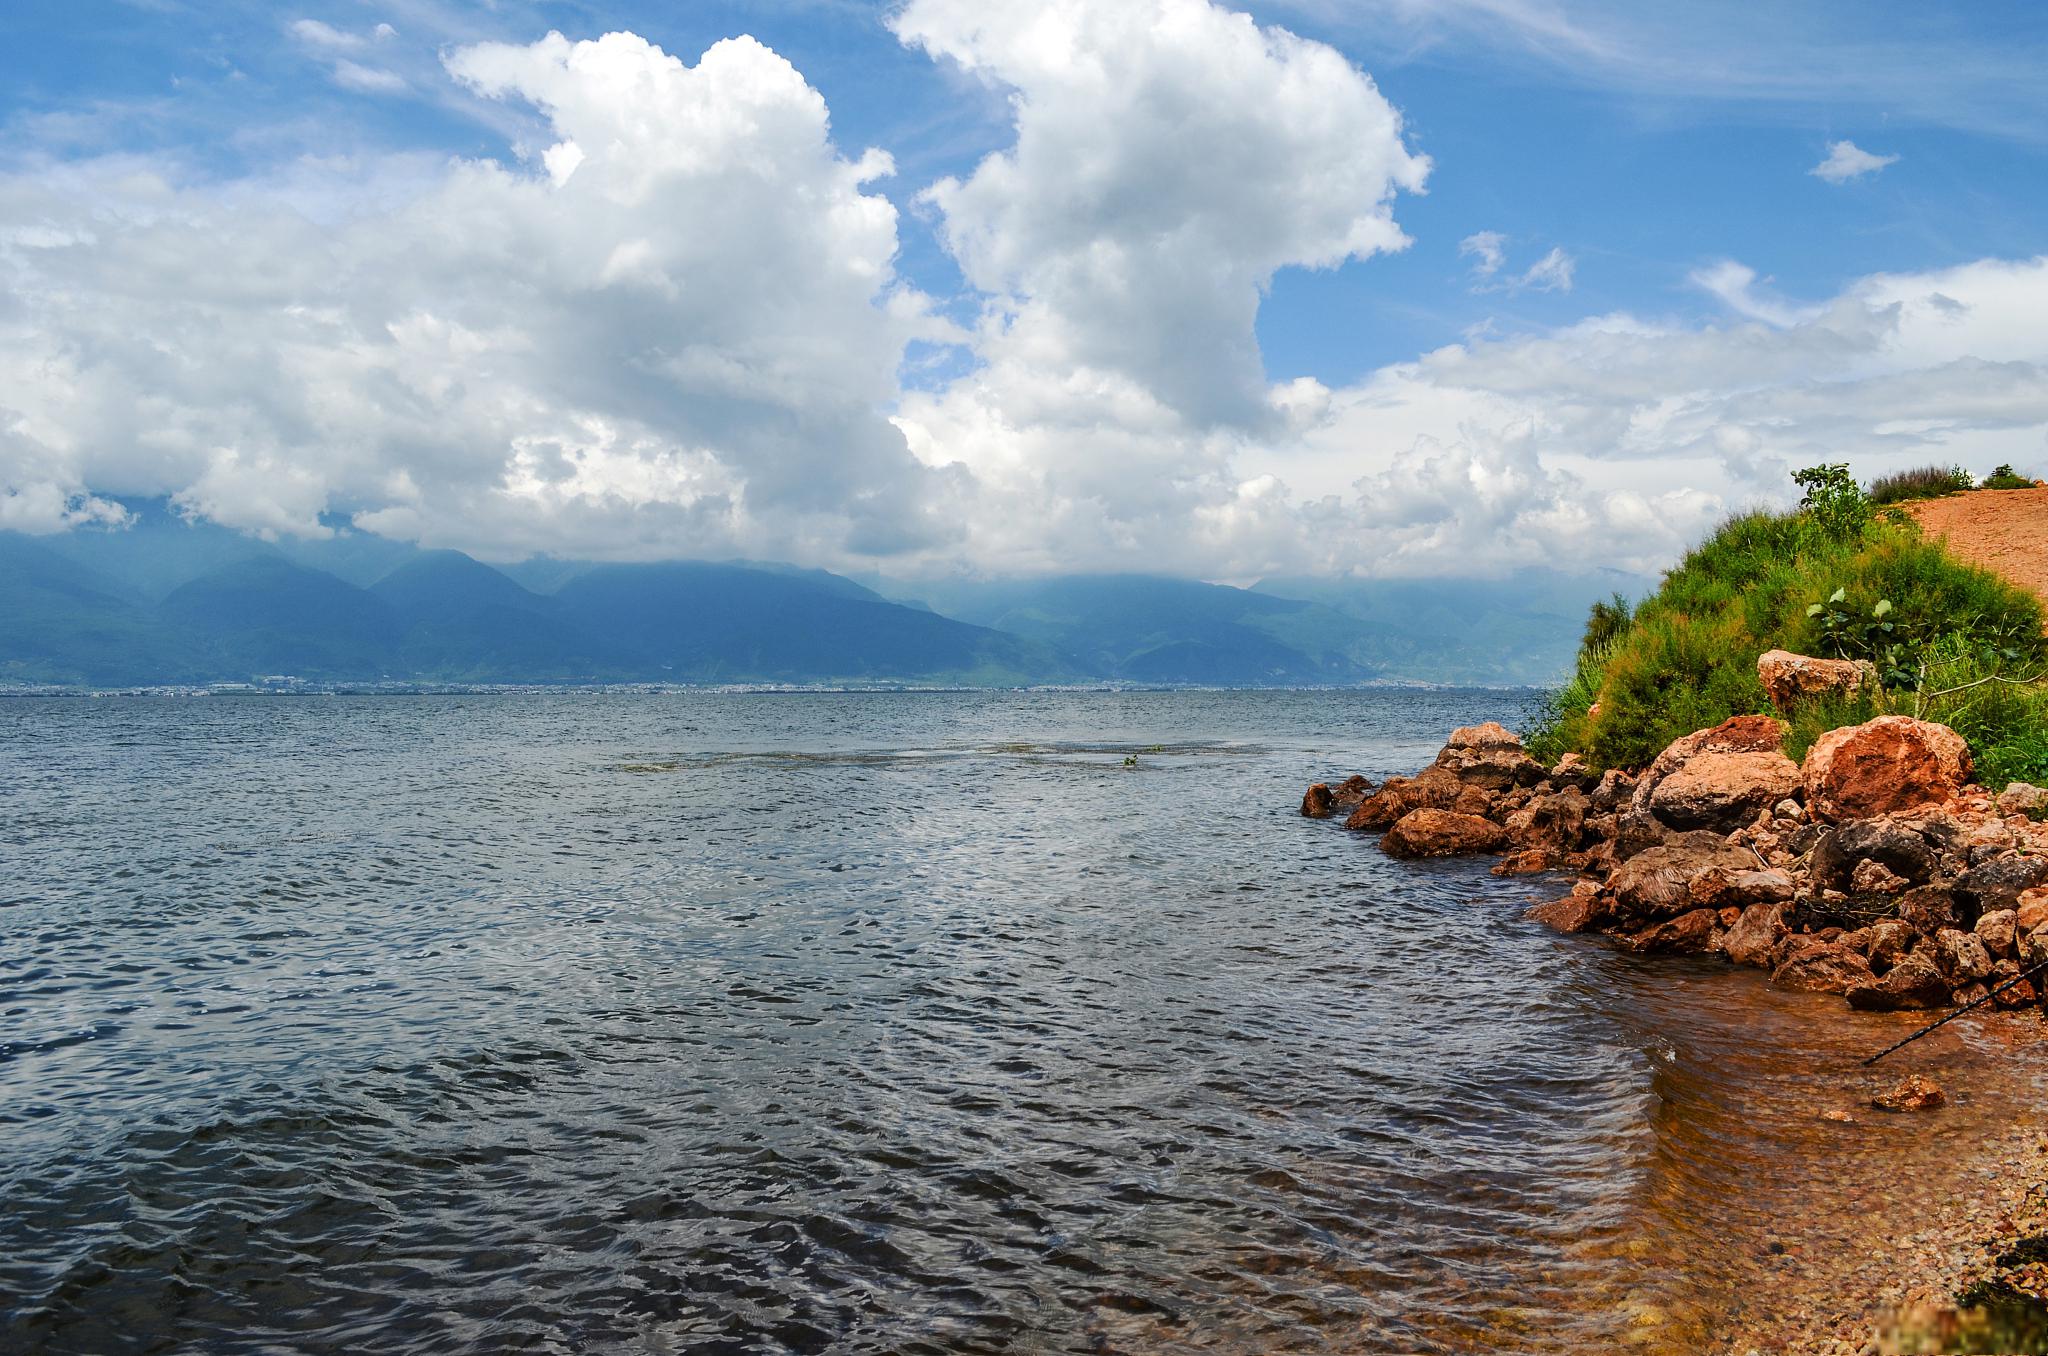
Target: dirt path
<point x="2005" y="531"/>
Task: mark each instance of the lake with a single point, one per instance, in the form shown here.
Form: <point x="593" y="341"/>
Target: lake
<point x="909" y="1022"/>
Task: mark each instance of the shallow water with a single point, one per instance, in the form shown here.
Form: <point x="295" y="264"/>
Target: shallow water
<point x="867" y="1023"/>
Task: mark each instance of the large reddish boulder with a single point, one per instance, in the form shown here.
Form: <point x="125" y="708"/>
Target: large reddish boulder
<point x="1884" y="766"/>
<point x="1790" y="679"/>
<point x="1817" y="966"/>
<point x="1441" y="833"/>
<point x="1723" y="791"/>
<point x="1489" y="756"/>
<point x="1657" y="883"/>
<point x="1742" y="734"/>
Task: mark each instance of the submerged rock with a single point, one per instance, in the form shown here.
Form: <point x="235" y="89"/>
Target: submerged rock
<point x="1913" y="1093"/>
<point x="1317" y="802"/>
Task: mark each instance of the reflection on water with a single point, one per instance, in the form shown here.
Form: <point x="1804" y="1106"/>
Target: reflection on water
<point x="864" y="1023"/>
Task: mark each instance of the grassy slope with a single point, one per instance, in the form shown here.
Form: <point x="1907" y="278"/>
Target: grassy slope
<point x="1687" y="660"/>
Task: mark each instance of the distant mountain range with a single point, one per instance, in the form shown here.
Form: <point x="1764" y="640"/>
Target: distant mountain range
<point x="166" y="601"/>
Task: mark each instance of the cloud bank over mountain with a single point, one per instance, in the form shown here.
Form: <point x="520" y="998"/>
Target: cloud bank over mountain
<point x="677" y="325"/>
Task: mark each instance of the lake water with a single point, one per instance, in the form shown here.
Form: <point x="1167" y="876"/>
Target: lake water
<point x="864" y="1023"/>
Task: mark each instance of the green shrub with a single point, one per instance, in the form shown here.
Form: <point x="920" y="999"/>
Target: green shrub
<point x="1926" y="482"/>
<point x="2005" y="478"/>
<point x="1833" y="500"/>
<point x="1606" y="620"/>
<point x="1949" y="639"/>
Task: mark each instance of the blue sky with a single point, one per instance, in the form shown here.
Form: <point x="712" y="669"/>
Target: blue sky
<point x="1638" y="152"/>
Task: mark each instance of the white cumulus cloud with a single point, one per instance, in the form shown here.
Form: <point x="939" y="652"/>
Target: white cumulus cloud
<point x="674" y="328"/>
<point x="681" y="347"/>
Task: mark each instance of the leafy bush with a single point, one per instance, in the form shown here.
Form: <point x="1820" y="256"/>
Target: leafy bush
<point x="1828" y="579"/>
<point x="1927" y="482"/>
<point x="1833" y="501"/>
<point x="2005" y="478"/>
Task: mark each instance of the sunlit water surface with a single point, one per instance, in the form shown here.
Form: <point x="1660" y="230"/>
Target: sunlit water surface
<point x="863" y="1023"/>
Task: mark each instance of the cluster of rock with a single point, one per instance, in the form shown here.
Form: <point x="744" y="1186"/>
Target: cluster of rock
<point x="1874" y="869"/>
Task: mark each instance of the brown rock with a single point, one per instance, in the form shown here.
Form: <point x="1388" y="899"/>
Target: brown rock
<point x="1818" y="966"/>
<point x="1555" y="823"/>
<point x="1999" y="931"/>
<point x="1573" y="771"/>
<point x="1720" y="887"/>
<point x="1614" y="789"/>
<point x="1915" y="982"/>
<point x="1431" y="789"/>
<point x="1928" y="909"/>
<point x="2022" y="798"/>
<point x="1723" y="791"/>
<point x="1890" y="941"/>
<point x="1689" y="934"/>
<point x="1789" y="678"/>
<point x="1476" y="800"/>
<point x="2030" y="910"/>
<point x="1584" y="909"/>
<point x="2000" y="882"/>
<point x="1961" y="957"/>
<point x="1489" y="756"/>
<point x="1317" y="802"/>
<point x="1351" y="792"/>
<point x="1872" y="877"/>
<point x="1884" y="766"/>
<point x="1441" y="833"/>
<point x="1657" y="883"/>
<point x="2033" y="947"/>
<point x="2020" y="995"/>
<point x="1913" y="1093"/>
<point x="1527" y="862"/>
<point x="1742" y="734"/>
<point x="1897" y="845"/>
<point x="1754" y="937"/>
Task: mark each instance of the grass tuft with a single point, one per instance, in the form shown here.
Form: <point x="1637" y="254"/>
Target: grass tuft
<point x="1926" y="482"/>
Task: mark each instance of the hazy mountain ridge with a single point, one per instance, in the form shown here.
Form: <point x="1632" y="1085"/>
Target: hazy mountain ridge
<point x="166" y="600"/>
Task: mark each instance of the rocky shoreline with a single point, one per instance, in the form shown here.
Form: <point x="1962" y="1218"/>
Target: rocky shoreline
<point x="1873" y="869"/>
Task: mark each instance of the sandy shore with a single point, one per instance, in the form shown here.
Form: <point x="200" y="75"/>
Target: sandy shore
<point x="1895" y="1292"/>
